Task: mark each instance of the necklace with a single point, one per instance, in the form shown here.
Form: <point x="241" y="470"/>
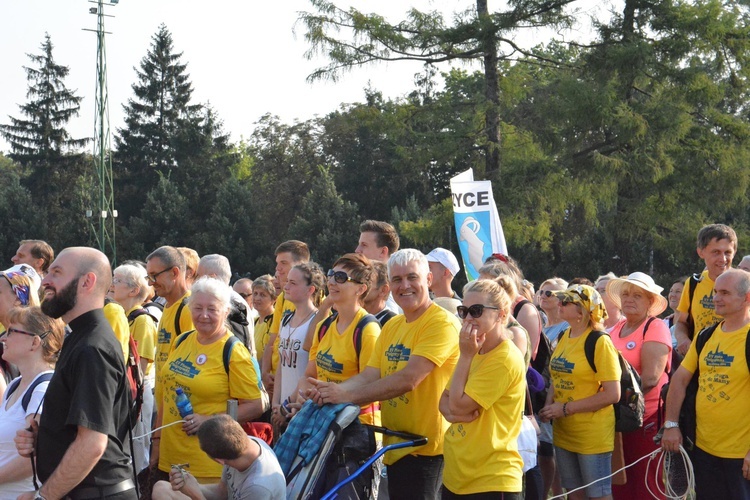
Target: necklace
<point x="293" y="329"/>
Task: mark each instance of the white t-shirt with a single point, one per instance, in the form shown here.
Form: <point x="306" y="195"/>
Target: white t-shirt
<point x="263" y="480"/>
<point x="292" y="358"/>
<point x="11" y="420"/>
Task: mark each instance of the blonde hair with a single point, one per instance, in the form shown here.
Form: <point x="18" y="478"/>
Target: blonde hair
<point x="494" y="291"/>
<point x="51" y="331"/>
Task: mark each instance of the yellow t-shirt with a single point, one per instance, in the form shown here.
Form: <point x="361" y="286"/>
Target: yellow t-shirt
<point x="572" y="377"/>
<point x="482" y="455"/>
<point x="281" y="307"/>
<point x="118" y="320"/>
<point x="261" y="334"/>
<point x="723" y="400"/>
<point x="166" y="335"/>
<point x="143" y="330"/>
<point x="434" y="336"/>
<point x="703" y="303"/>
<point x="336" y="358"/>
<point x="199" y="370"/>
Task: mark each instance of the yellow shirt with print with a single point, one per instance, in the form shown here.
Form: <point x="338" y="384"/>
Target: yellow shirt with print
<point x="573" y="378"/>
<point x="482" y="455"/>
<point x="434" y="336"/>
<point x="118" y="320"/>
<point x="336" y="357"/>
<point x="199" y="370"/>
<point x="723" y="401"/>
<point x="702" y="309"/>
<point x="261" y="334"/>
<point x="166" y="335"/>
<point x="143" y="331"/>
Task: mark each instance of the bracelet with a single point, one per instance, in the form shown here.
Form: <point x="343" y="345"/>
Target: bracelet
<point x="565" y="409"/>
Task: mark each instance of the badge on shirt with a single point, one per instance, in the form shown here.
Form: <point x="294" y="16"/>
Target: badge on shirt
<point x="629" y="346"/>
<point x="201" y="359"/>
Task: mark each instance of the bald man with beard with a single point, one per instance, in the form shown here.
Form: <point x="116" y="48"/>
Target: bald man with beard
<point x="81" y="445"/>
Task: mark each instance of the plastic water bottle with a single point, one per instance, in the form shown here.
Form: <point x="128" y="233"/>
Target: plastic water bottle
<point x="183" y="403"/>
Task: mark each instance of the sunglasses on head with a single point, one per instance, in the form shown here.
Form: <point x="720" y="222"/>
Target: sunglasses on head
<point x="341" y="277"/>
<point x="476" y="310"/>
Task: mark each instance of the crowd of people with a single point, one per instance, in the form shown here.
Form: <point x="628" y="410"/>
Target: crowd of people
<point x="481" y="373"/>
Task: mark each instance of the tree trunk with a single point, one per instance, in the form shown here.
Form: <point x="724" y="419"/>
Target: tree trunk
<point x="491" y="91"/>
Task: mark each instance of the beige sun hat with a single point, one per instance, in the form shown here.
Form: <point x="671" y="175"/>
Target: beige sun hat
<point x="643" y="281"/>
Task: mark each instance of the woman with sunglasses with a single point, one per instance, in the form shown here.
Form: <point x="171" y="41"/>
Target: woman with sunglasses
<point x="303" y="288"/>
<point x="484" y="401"/>
<point x="550" y="304"/>
<point x="580" y="404"/>
<point x="333" y="355"/>
<point x="32" y="342"/>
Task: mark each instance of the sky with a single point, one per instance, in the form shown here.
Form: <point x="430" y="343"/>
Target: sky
<point x="245" y="58"/>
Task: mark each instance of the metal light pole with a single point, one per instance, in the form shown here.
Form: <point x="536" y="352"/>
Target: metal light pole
<point x="103" y="198"/>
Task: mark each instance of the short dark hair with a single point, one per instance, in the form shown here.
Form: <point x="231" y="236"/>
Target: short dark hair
<point x="170" y="256"/>
<point x="717" y="232"/>
<point x="359" y="268"/>
<point x="299" y="250"/>
<point x="223" y="438"/>
<point x="40" y="249"/>
<point x="386" y="235"/>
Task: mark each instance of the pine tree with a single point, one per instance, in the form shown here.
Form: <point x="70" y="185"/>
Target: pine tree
<point x="42" y="135"/>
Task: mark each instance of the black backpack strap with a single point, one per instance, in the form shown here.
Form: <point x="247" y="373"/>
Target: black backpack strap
<point x="227" y="354"/>
<point x="747" y="349"/>
<point x="325" y="325"/>
<point x="179" y="340"/>
<point x="704" y="337"/>
<point x="366" y="320"/>
<point x="589" y="347"/>
<point x="45" y="377"/>
<point x="519" y="306"/>
<point x="177" y="329"/>
<point x="140" y="312"/>
<point x="287" y="317"/>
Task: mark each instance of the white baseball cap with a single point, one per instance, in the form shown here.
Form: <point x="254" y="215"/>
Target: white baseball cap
<point x="446" y="258"/>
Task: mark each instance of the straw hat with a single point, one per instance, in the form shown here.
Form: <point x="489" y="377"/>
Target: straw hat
<point x="642" y="281"/>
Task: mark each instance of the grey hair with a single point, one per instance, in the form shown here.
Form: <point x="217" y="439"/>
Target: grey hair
<point x="215" y="288"/>
<point x="217" y="265"/>
<point x="605" y="277"/>
<point x="407" y="255"/>
<point x="135" y="277"/>
<point x="556" y="282"/>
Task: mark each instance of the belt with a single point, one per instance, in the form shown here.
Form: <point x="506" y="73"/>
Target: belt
<point x="101" y="491"/>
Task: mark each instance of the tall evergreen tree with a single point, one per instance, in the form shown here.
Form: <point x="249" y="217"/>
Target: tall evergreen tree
<point x="154" y="118"/>
<point x="41" y="135"/>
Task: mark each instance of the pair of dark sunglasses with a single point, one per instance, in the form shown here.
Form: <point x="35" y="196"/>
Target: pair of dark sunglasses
<point x="341" y="277"/>
<point x="546" y="293"/>
<point x="476" y="310"/>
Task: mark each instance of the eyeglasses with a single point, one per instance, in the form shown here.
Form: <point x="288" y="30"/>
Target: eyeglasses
<point x="546" y="293"/>
<point x="476" y="310"/>
<point x="9" y="331"/>
<point x="152" y="278"/>
<point x="341" y="277"/>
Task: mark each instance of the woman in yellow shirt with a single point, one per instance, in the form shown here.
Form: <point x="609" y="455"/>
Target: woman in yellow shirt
<point x="484" y="401"/>
<point x="580" y="403"/>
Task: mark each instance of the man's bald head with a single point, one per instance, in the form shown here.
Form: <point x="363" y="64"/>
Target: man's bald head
<point x="91" y="260"/>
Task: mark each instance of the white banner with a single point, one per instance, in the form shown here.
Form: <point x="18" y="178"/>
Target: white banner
<point x="480" y="233"/>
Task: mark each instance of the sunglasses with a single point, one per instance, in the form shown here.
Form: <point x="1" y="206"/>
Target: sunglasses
<point x="476" y="310"/>
<point x="341" y="277"/>
<point x="546" y="293"/>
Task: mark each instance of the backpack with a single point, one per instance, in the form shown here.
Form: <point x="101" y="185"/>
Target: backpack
<point x="134" y="376"/>
<point x="240" y="326"/>
<point x="26" y="399"/>
<point x="177" y="329"/>
<point x="140" y="312"/>
<point x="687" y="418"/>
<point x="631" y="407"/>
<point x="692" y="285"/>
<point x="356" y="338"/>
<point x="541" y="364"/>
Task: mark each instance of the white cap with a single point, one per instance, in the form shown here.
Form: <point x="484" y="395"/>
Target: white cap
<point x="446" y="258"/>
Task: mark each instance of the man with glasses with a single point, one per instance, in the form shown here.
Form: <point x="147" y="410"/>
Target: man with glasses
<point x="410" y="367"/>
<point x="165" y="271"/>
<point x="81" y="445"/>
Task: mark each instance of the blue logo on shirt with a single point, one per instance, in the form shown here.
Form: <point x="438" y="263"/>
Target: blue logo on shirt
<point x="327" y="362"/>
<point x="718" y="358"/>
<point x="164" y="336"/>
<point x="398" y="352"/>
<point x="184" y="368"/>
<point x="561" y="364"/>
<point x="708" y="302"/>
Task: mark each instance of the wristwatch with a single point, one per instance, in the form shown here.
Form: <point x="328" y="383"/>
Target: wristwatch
<point x="38" y="495"/>
<point x="670" y="424"/>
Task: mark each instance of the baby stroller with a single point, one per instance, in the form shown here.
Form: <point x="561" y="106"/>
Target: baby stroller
<point x="327" y="448"/>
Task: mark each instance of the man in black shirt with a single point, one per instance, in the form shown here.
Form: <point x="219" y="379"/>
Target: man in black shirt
<point x="82" y="448"/>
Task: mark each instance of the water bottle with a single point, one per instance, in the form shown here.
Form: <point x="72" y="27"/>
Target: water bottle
<point x="183" y="403"/>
